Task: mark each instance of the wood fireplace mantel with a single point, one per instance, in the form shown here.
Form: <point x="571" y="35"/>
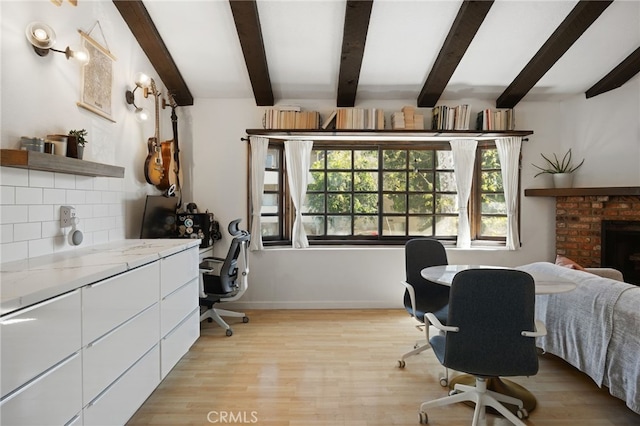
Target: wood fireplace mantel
<point x="578" y="192"/>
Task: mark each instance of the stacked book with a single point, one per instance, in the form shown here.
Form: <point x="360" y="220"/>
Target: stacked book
<point x="496" y="120"/>
<point x="356" y="118"/>
<point x="290" y="118"/>
<point x="451" y="118"/>
<point x="407" y="119"/>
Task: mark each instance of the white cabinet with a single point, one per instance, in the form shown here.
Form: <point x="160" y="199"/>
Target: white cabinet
<point x="179" y="307"/>
<point x="35" y="338"/>
<point x="104" y="360"/>
<point x="116" y="404"/>
<point x="109" y="303"/>
<point x="53" y="398"/>
<point x="92" y="356"/>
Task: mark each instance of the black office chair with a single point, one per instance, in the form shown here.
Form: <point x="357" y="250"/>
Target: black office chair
<point x="421" y="295"/>
<point x="224" y="285"/>
<point x="490" y="332"/>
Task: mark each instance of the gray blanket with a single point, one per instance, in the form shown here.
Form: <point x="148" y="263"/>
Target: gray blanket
<point x="595" y="328"/>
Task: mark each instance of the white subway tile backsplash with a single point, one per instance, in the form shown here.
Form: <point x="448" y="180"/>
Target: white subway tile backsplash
<point x="64" y="181"/>
<point x="51" y="229"/>
<point x="14" y="214"/>
<point x="7" y="195"/>
<point x="42" y="213"/>
<point x="27" y="231"/>
<point x="14" y="251"/>
<point x="30" y="202"/>
<point x="28" y="195"/>
<point x="54" y="196"/>
<point x="41" y="247"/>
<point x="75" y="196"/>
<point x="84" y="182"/>
<point x="40" y="179"/>
<point x="12" y="176"/>
<point x="6" y="233"/>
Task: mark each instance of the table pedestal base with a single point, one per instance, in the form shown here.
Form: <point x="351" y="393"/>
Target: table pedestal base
<point x="502" y="386"/>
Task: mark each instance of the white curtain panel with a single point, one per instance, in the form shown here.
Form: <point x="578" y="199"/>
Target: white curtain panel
<point x="464" y="157"/>
<point x="259" y="147"/>
<point x="298" y="158"/>
<point x="509" y="152"/>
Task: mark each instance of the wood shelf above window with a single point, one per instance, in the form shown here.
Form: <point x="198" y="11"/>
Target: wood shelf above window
<point x="56" y="163"/>
<point x="578" y="192"/>
<point x="386" y="134"/>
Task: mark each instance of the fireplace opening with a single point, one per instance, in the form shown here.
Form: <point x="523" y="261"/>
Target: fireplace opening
<point x="621" y="248"/>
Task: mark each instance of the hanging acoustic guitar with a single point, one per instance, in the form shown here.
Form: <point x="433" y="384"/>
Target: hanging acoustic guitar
<point x="153" y="168"/>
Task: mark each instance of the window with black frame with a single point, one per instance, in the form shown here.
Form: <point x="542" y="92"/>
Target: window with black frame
<point x="383" y="193"/>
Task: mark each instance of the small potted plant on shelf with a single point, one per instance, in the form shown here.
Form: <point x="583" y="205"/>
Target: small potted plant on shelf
<point x="77" y="141"/>
<point x="560" y="170"/>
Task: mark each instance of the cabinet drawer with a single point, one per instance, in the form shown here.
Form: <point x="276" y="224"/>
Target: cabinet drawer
<point x="42" y="401"/>
<point x="109" y="303"/>
<point x="38" y="337"/>
<point x="178" y="341"/>
<point x="177" y="270"/>
<point x="120" y="401"/>
<point x="177" y="305"/>
<point x="107" y="358"/>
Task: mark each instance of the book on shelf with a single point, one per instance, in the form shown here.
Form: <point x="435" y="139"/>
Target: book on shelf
<point x="330" y="119"/>
<point x="488" y="119"/>
<point x="359" y="118"/>
<point x="451" y="118"/>
<point x="276" y="118"/>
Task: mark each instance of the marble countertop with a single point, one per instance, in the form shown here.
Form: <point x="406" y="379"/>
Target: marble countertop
<point x="29" y="281"/>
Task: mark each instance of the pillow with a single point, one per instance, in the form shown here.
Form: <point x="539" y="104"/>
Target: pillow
<point x="568" y="263"/>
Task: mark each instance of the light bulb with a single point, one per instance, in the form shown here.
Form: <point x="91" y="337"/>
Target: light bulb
<point x="142" y="80"/>
<point x="142" y="114"/>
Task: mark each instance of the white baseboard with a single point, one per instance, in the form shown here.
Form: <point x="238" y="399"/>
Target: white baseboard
<point x="239" y="306"/>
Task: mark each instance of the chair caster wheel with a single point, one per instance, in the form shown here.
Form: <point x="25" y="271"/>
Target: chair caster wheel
<point x="424" y="419"/>
<point x="229" y="332"/>
<point x="245" y="319"/>
<point x="522" y="413"/>
<point x="444" y="382"/>
<point x="401" y="363"/>
<point x="209" y="319"/>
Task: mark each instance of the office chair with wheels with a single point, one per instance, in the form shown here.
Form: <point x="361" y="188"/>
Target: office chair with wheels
<point x="490" y="332"/>
<point x="225" y="285"/>
<point x="421" y="295"/>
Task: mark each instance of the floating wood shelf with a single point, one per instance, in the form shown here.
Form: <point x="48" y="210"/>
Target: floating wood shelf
<point x="578" y="192"/>
<point x="386" y="134"/>
<point x="56" y="163"/>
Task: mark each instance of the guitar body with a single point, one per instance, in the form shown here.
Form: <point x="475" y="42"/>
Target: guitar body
<point x="168" y="176"/>
<point x="153" y="169"/>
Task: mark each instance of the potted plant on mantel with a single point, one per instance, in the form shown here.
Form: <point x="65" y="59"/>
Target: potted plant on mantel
<point x="76" y="142"/>
<point x="560" y="170"/>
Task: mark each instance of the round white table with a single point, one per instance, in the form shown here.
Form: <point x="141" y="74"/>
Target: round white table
<point x="544" y="284"/>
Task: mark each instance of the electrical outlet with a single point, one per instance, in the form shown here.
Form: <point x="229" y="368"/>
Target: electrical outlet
<point x="67" y="216"/>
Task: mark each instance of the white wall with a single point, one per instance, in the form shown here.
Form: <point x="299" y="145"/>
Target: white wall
<point x="350" y="277"/>
<point x="38" y="97"/>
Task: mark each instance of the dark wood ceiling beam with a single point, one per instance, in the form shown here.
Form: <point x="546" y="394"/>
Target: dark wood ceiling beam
<point x="574" y="25"/>
<point x="617" y="76"/>
<point x="354" y="37"/>
<point x="464" y="28"/>
<point x="144" y="30"/>
<point x="245" y="15"/>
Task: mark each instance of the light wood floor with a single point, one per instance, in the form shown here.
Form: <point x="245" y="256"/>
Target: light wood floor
<point x="338" y="367"/>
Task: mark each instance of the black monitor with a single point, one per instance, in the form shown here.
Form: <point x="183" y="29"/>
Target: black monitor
<point x="159" y="217"/>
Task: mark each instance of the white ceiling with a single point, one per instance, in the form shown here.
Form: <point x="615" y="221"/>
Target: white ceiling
<point x="303" y="40"/>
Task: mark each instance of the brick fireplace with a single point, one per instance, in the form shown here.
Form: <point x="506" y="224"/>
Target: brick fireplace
<point x="581" y="215"/>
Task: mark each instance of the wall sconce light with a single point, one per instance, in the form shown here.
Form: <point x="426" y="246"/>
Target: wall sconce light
<point x="42" y="38"/>
<point x="143" y="82"/>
